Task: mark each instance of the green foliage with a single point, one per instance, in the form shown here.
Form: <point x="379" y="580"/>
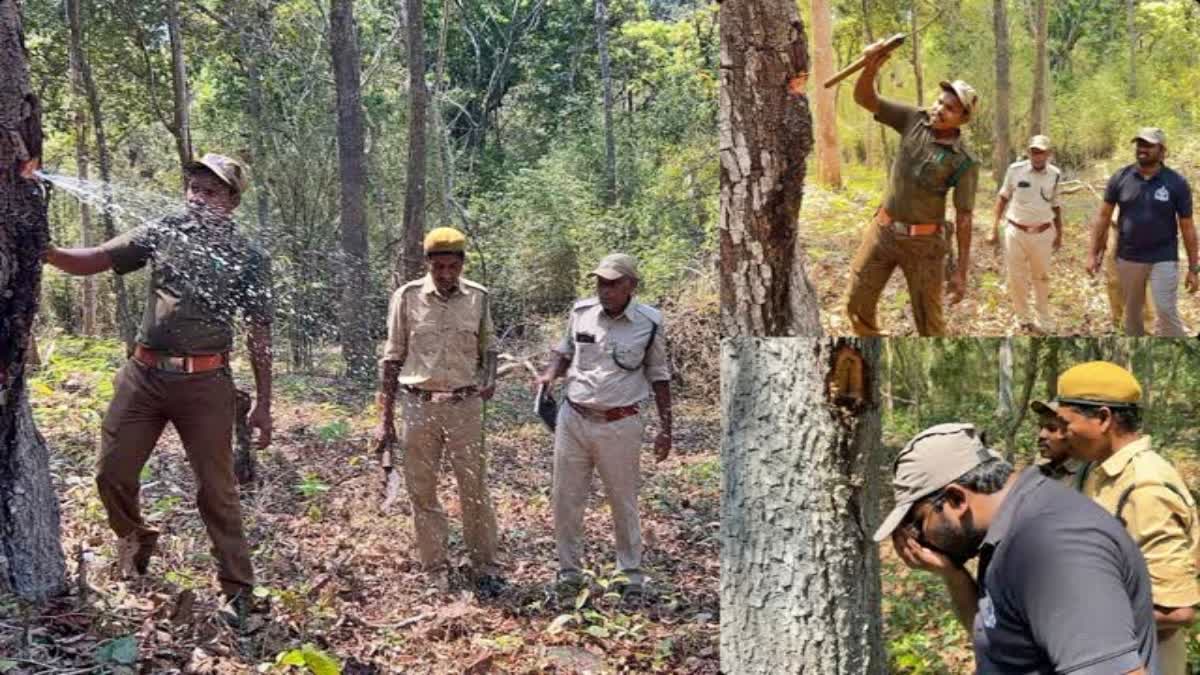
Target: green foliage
<point x="122" y="651"/>
<point x="313" y="660"/>
<point x="311" y="486"/>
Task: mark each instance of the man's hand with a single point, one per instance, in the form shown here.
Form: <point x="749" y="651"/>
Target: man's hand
<point x="877" y="54"/>
<point x="918" y="557"/>
<point x="993" y="238"/>
<point x="958" y="286"/>
<point x="662" y="446"/>
<point x="1057" y="241"/>
<point x="543" y="380"/>
<point x="385" y="435"/>
<point x="260" y="418"/>
<point x="486" y="393"/>
<point x="1192" y="282"/>
<point x="1095" y="263"/>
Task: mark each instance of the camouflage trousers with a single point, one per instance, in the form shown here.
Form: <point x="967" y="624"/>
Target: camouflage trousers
<point x="921" y="259"/>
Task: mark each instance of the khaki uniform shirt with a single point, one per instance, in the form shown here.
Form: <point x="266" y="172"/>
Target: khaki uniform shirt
<point x="1161" y="520"/>
<point x="1066" y="472"/>
<point x="613" y="360"/>
<point x="924" y="169"/>
<point x="200" y="275"/>
<point x="1032" y="195"/>
<point x="439" y="341"/>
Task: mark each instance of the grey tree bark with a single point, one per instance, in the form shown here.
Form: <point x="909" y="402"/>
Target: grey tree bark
<point x="31" y="557"/>
<point x="1040" y="101"/>
<point x="610" y="143"/>
<point x="343" y="41"/>
<point x="765" y="138"/>
<point x="409" y="262"/>
<point x="800" y="585"/>
<point x="181" y="125"/>
<point x="829" y="159"/>
<point x="1001" y="151"/>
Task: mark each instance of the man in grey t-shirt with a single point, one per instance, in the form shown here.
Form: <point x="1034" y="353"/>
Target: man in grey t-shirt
<point x="1061" y="586"/>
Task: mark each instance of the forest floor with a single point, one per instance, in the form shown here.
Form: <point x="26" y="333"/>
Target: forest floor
<point x="340" y="577"/>
<point x="831" y="225"/>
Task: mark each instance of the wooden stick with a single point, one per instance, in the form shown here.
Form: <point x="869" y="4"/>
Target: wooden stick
<point x="891" y="43"/>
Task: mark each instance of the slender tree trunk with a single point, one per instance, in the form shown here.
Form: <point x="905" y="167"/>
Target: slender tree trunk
<point x="256" y="111"/>
<point x="1131" y="17"/>
<point x="182" y="126"/>
<point x="765" y="137"/>
<point x="800" y="585"/>
<point x="1040" y="101"/>
<point x="829" y="159"/>
<point x="1004" y="381"/>
<point x="610" y="143"/>
<point x="79" y="103"/>
<point x="343" y="42"/>
<point x="31" y="557"/>
<point x="1014" y="421"/>
<point x="915" y="34"/>
<point x="409" y="263"/>
<point x="1003" y="86"/>
<point x="1051" y="369"/>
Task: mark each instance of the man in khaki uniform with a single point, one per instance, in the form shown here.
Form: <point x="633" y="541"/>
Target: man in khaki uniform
<point x="1099" y="402"/>
<point x="1033" y="232"/>
<point x="613" y="354"/>
<point x="441" y="350"/>
<point x="1055" y="459"/>
<point x="908" y="229"/>
<point x="202" y="272"/>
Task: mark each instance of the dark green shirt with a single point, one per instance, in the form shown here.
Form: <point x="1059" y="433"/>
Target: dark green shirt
<point x="200" y="275"/>
<point x="925" y="169"/>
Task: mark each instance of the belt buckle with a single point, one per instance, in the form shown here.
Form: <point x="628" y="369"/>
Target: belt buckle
<point x="173" y="364"/>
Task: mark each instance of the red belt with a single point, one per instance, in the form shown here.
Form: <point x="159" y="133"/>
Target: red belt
<point x="610" y="415"/>
<point x="882" y="217"/>
<point x="1031" y="229"/>
<point x="194" y="363"/>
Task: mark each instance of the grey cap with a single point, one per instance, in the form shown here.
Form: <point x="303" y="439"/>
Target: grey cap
<point x="616" y="265"/>
<point x="933" y="459"/>
<point x="1150" y="135"/>
<point x="1040" y="142"/>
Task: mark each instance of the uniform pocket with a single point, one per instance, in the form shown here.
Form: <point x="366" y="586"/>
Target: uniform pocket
<point x="628" y="356"/>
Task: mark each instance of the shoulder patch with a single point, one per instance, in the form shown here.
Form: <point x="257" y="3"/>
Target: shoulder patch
<point x="585" y="303"/>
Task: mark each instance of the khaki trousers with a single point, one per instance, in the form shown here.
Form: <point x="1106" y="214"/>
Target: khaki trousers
<point x="201" y="408"/>
<point x="1172" y="654"/>
<point x="921" y="259"/>
<point x="1027" y="260"/>
<point x="1116" y="297"/>
<point x="454" y="428"/>
<point x="1163" y="278"/>
<point x="612" y="449"/>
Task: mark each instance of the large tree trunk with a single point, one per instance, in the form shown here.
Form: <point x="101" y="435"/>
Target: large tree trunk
<point x="409" y="263"/>
<point x="31" y="558"/>
<point x="343" y="43"/>
<point x="181" y="126"/>
<point x="610" y="143"/>
<point x="79" y="103"/>
<point x="1040" y="100"/>
<point x="765" y="137"/>
<point x="829" y="160"/>
<point x="1001" y="151"/>
<point x="800" y="587"/>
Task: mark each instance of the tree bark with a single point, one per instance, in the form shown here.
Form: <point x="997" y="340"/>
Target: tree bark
<point x="1004" y="381"/>
<point x="829" y="159"/>
<point x="31" y="557"/>
<point x="610" y="143"/>
<point x="409" y="262"/>
<point x="343" y="41"/>
<point x="1000" y="156"/>
<point x="765" y="137"/>
<point x="1013" y="423"/>
<point x="79" y="102"/>
<point x="800" y="585"/>
<point x="1131" y="16"/>
<point x="1051" y="369"/>
<point x="1040" y="102"/>
<point x="181" y="126"/>
<point x="915" y="33"/>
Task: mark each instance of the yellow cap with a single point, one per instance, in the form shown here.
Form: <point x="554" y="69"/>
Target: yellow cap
<point x="1099" y="383"/>
<point x="445" y="240"/>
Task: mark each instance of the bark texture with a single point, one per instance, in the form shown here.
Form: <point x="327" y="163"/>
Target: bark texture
<point x="1040" y="100"/>
<point x="610" y="143"/>
<point x="829" y="171"/>
<point x="181" y="125"/>
<point x="410" y="263"/>
<point x="1001" y="151"/>
<point x="800" y="588"/>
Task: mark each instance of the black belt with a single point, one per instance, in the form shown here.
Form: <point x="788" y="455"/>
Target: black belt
<point x="460" y="394"/>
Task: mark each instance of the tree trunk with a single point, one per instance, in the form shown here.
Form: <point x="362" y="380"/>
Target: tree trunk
<point x="610" y="143"/>
<point x="181" y="126"/>
<point x="915" y="34"/>
<point x="765" y="137"/>
<point x="1051" y="369"/>
<point x="1004" y="377"/>
<point x="79" y="102"/>
<point x="410" y="263"/>
<point x="255" y="109"/>
<point x="1001" y="150"/>
<point x="1040" y="101"/>
<point x="343" y="41"/>
<point x="1131" y="16"/>
<point x="829" y="160"/>
<point x="31" y="557"/>
<point x="1015" y="420"/>
<point x="800" y="585"/>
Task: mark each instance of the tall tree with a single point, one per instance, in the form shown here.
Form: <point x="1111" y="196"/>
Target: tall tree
<point x="31" y="558"/>
<point x="181" y="125"/>
<point x="915" y="33"/>
<point x="351" y="141"/>
<point x="765" y="138"/>
<point x="1001" y="150"/>
<point x="409" y="263"/>
<point x="1039" y="103"/>
<point x="1131" y="23"/>
<point x="610" y="143"/>
<point x="79" y="103"/>
<point x="800" y="451"/>
<point x="829" y="160"/>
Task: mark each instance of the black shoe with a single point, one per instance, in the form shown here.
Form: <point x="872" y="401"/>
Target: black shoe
<point x="237" y="612"/>
<point x="490" y="586"/>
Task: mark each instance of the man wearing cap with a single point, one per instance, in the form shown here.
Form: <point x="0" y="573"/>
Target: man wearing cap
<point x="1099" y="403"/>
<point x="441" y="350"/>
<point x="908" y="229"/>
<point x="1060" y="587"/>
<point x="1033" y="232"/>
<point x="613" y="355"/>
<point x="202" y="271"/>
<point x="1055" y="459"/>
<point x="1156" y="209"/>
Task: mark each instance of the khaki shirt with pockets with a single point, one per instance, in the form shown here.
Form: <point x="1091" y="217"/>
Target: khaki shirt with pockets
<point x="1032" y="194"/>
<point x="925" y="167"/>
<point x="439" y="341"/>
<point x="613" y="361"/>
<point x="1162" y="521"/>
